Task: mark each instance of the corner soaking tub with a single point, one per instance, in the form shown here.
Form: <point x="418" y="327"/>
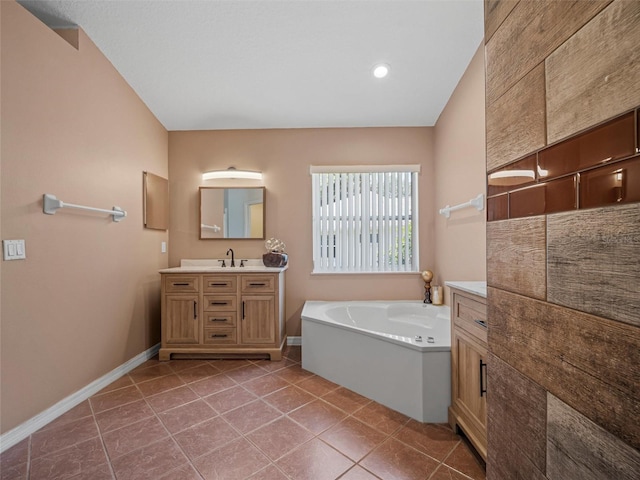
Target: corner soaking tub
<point x="396" y="353"/>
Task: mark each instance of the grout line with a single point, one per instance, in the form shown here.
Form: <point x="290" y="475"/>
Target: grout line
<point x="104" y="446"/>
<point x="29" y="456"/>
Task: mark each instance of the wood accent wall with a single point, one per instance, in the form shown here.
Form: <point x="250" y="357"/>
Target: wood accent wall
<point x="588" y="452"/>
<point x="528" y="35"/>
<point x="564" y="288"/>
<point x="588" y="77"/>
<point x="517" y="120"/>
<point x="517" y="410"/>
<point x="517" y="259"/>
<point x="604" y="245"/>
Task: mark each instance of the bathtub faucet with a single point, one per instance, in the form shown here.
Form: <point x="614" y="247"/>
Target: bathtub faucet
<point x="233" y="259"/>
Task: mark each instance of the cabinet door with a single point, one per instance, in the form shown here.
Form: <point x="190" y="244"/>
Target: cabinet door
<point x="182" y="319"/>
<point x="257" y="321"/>
<point x="470" y="385"/>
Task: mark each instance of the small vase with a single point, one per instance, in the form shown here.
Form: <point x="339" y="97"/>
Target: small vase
<point x="274" y="259"/>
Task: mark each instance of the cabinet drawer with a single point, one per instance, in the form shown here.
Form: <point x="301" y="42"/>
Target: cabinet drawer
<point x="220" y="335"/>
<point x="220" y="303"/>
<point x="470" y="314"/>
<point x="181" y="283"/>
<point x="219" y="284"/>
<point x="258" y="283"/>
<point x="220" y="319"/>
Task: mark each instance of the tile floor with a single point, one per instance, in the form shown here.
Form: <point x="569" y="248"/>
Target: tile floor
<point x="236" y="419"/>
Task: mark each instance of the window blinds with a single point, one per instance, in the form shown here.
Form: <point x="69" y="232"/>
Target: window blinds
<point x="365" y="221"/>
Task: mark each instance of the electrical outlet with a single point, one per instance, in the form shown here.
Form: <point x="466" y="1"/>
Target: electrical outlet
<point x="163" y="247"/>
<point x="14" y="249"/>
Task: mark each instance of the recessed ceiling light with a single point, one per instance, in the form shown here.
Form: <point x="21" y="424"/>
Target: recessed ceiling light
<point x="381" y="70"/>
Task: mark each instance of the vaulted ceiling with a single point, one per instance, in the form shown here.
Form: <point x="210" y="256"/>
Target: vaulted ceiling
<point x="229" y="64"/>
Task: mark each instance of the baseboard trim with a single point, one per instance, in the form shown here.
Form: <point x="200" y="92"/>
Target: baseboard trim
<point x="294" y="340"/>
<point x="22" y="431"/>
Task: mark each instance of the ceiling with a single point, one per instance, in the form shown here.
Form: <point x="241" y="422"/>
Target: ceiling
<point x="245" y="64"/>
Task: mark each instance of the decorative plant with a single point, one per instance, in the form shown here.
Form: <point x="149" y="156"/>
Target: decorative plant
<point x="274" y="245"/>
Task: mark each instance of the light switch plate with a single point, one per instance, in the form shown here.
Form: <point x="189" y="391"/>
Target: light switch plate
<point x="14" y="249"/>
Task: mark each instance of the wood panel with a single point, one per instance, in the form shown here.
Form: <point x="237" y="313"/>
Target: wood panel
<point x="495" y="11"/>
<point x="595" y="75"/>
<point x="528" y="35"/>
<point x="588" y="362"/>
<point x="468" y="408"/>
<point x="518" y="411"/>
<point x="516" y="121"/>
<point x="181" y="319"/>
<point x="594" y="261"/>
<point x="467" y="311"/>
<point x="506" y="462"/>
<point x="257" y="324"/>
<point x="578" y="448"/>
<point x="516" y="256"/>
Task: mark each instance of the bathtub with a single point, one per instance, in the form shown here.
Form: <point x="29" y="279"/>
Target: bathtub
<point x="396" y="353"/>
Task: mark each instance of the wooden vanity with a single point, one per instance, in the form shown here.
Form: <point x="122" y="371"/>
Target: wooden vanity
<point x="468" y="410"/>
<point x="216" y="313"/>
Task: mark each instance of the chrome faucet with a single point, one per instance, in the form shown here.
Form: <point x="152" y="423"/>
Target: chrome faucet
<point x="233" y="259"/>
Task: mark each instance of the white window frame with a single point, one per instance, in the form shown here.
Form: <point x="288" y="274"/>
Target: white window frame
<point x="349" y="255"/>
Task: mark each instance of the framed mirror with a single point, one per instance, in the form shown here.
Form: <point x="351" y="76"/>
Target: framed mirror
<point x="155" y="200"/>
<point x="232" y="212"/>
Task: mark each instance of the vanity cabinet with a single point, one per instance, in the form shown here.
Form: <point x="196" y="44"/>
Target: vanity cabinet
<point x="226" y="314"/>
<point x="220" y="305"/>
<point x="183" y="325"/>
<point x="180" y="306"/>
<point x="258" y="298"/>
<point x="468" y="410"/>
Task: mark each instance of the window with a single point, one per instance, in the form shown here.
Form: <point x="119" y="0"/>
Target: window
<point x="365" y="219"/>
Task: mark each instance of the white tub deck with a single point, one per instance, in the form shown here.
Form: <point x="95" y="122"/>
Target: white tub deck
<point x="411" y="377"/>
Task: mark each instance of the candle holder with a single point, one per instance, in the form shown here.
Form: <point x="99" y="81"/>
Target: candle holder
<point x="427" y="276"/>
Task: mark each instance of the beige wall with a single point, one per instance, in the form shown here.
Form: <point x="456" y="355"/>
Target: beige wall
<point x="86" y="299"/>
<point x="460" y="175"/>
<point x="284" y="156"/>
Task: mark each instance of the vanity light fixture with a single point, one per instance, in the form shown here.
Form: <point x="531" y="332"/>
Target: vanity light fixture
<point x="232" y="172"/>
<point x="380" y="70"/>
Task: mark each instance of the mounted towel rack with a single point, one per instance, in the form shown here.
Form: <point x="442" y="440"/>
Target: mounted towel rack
<point x="477" y="202"/>
<point x="215" y="228"/>
<point x="51" y="204"/>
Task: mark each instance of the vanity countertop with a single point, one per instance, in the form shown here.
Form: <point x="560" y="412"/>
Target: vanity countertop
<point x="476" y="288"/>
<point x="213" y="265"/>
<point x="217" y="269"/>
